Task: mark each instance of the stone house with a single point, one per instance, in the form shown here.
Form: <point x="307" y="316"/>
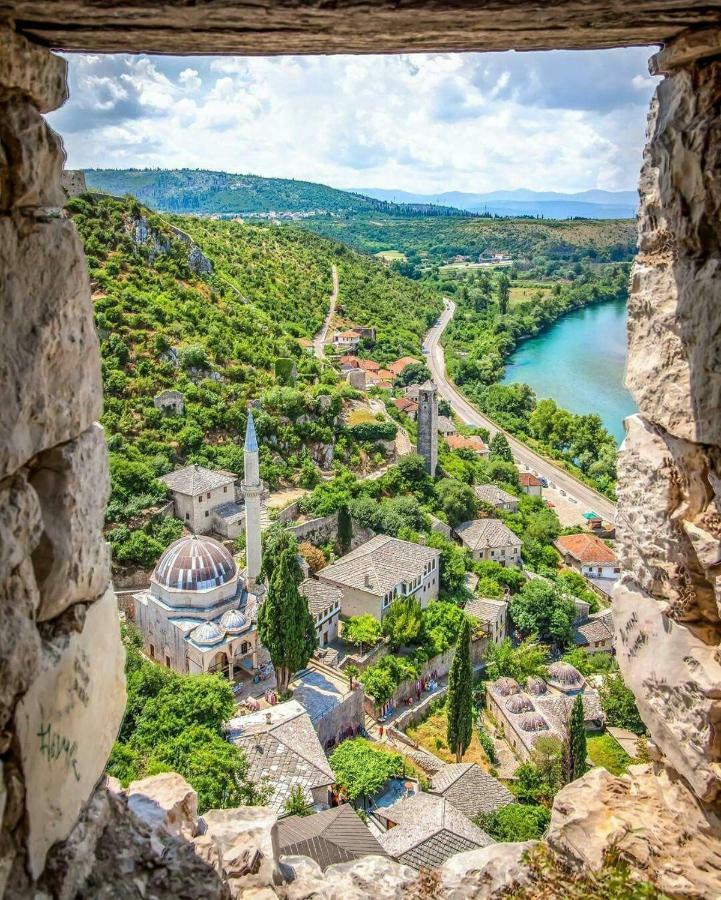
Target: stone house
<point x="346" y="340"/>
<point x="490" y="539"/>
<point x="491" y="613"/>
<point x="496" y="496"/>
<point x="471" y="790"/>
<point x="324" y="602"/>
<point x="406" y="406"/>
<point x="594" y="633"/>
<point x="333" y="836"/>
<point x="357" y="378"/>
<point x="588" y="555"/>
<point x="171" y="403"/>
<point x="446" y="427"/>
<point x="530" y="484"/>
<point x="204" y="500"/>
<point x="384" y="568"/>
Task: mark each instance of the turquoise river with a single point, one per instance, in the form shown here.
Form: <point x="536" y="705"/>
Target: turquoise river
<point x="579" y="361"/>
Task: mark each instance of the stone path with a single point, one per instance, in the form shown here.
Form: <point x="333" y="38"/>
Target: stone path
<point x="322" y="336"/>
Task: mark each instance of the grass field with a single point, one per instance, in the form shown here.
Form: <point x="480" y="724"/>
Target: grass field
<point x="604" y="751"/>
<point x="523" y="291"/>
<point x="391" y="255"/>
<point x="431" y="735"/>
<point x="360" y="416"/>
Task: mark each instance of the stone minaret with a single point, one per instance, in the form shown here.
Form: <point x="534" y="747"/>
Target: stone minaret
<point x="428" y="425"/>
<point x="252" y="488"/>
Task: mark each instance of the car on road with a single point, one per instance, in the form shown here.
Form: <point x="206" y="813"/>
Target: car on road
<point x="544" y="481"/>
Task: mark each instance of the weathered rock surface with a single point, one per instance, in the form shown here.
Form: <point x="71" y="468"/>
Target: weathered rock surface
<point x="674" y="316"/>
<point x="165" y="802"/>
<point x="28" y="69"/>
<point x="33" y="158"/>
<point x="49" y="360"/>
<point x="649" y="816"/>
<point x="66" y="725"/>
<point x="72" y="561"/>
<point x="676" y="679"/>
<point x="483" y="874"/>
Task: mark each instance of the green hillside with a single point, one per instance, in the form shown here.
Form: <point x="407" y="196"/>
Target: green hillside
<point x="205" y="192"/>
<point x="212" y="321"/>
<point x="438" y="240"/>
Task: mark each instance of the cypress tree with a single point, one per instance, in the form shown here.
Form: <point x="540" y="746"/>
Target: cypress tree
<point x="285" y="626"/>
<point x="459" y="705"/>
<point x="345" y="529"/>
<point x="577" y="740"/>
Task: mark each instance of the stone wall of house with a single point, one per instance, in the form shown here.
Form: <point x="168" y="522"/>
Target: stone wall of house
<point x="62" y="686"/>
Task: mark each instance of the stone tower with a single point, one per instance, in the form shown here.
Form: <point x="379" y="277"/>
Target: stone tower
<point x="428" y="425"/>
<point x="252" y="488"/>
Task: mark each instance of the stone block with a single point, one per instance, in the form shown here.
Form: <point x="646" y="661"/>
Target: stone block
<point x="676" y="679"/>
<point x="667" y="525"/>
<point x="651" y="819"/>
<point x="72" y="561"/>
<point x="20" y="531"/>
<point x="49" y="354"/>
<point x="33" y="158"/>
<point x="226" y="836"/>
<point x="31" y="70"/>
<point x="487" y="872"/>
<point x="165" y="802"/>
<point x="370" y="876"/>
<point x="66" y="725"/>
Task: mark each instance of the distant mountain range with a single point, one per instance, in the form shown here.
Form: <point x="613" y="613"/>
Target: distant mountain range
<point x="592" y="204"/>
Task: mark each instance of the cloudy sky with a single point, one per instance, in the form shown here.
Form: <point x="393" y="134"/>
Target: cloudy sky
<point x="562" y="121"/>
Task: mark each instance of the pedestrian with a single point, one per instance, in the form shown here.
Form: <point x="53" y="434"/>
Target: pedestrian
<point x="381" y="732"/>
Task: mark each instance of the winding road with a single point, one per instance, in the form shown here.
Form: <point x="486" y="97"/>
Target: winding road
<point x="563" y="490"/>
<point x="320" y="338"/>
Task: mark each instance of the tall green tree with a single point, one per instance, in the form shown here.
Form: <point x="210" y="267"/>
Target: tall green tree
<point x="403" y="621"/>
<point x="577" y="740"/>
<point x="285" y="625"/>
<point x="503" y="291"/>
<point x="459" y="705"/>
<point x="529" y="658"/>
<point x="500" y="448"/>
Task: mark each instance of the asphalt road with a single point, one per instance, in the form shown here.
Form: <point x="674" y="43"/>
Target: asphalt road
<point x="562" y="486"/>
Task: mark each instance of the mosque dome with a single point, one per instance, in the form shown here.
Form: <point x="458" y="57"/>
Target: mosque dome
<point x="208" y="633"/>
<point x="533" y="722"/>
<point x="506" y="686"/>
<point x="565" y="674"/>
<point x="517" y="703"/>
<point x="233" y="621"/>
<point x="195" y="563"/>
<point x="536" y="686"/>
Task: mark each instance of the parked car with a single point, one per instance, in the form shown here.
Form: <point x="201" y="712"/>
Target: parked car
<point x="544" y="481"/>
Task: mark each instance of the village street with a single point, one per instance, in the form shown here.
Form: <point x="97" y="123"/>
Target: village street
<point x="570" y="497"/>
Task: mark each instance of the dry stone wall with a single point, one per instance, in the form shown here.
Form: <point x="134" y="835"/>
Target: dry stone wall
<point x="62" y="688"/>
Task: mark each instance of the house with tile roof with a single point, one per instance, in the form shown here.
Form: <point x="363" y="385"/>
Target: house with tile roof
<point x="333" y="836"/>
<point x="473" y="443"/>
<point x="496" y="497"/>
<point x="490" y="539"/>
<point x="424" y="830"/>
<point x="470" y="789"/>
<point x="589" y="555"/>
<point x="199" y="493"/>
<point x="530" y="484"/>
<point x="346" y="340"/>
<point x="493" y="614"/>
<point x="400" y="364"/>
<point x="324" y="605"/>
<point x="384" y="568"/>
<point x="406" y="406"/>
<point x="369" y="365"/>
<point x="283" y="753"/>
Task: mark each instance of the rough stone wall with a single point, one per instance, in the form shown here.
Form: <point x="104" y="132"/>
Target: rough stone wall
<point x="62" y="689"/>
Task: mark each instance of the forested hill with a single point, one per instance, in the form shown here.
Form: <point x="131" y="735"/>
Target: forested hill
<point x="221" y="193"/>
<point x="222" y="320"/>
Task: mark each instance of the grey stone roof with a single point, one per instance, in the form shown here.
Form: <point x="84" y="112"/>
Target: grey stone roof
<point x="592" y="630"/>
<point x="411" y="392"/>
<point x="445" y="425"/>
<point x="320" y="596"/>
<point x="333" y="836"/>
<point x="491" y="493"/>
<point x="195" y="480"/>
<point x="429" y="830"/>
<point x="282" y="754"/>
<point x="480" y="534"/>
<point x="470" y="789"/>
<point x="380" y="564"/>
<point x="230" y="512"/>
<point x="558" y="707"/>
<point x="486" y="610"/>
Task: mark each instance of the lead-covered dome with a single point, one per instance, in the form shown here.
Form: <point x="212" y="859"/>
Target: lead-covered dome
<point x="536" y="686"/>
<point x="517" y="703"/>
<point x="563" y="673"/>
<point x="195" y="563"/>
<point x="533" y="722"/>
<point x="506" y="686"/>
<point x="208" y="633"/>
<point x="233" y="621"/>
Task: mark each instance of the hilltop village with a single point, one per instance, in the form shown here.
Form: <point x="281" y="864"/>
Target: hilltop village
<point x="349" y="639"/>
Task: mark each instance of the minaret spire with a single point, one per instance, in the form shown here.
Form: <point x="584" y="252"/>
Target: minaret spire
<point x="252" y="488"/>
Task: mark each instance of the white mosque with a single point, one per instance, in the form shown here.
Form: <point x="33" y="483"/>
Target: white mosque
<point x="200" y="613"/>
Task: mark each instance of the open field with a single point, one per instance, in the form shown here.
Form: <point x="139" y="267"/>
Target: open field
<point x="604" y="751"/>
<point x="431" y="735"/>
<point x="523" y="291"/>
<point x="391" y="256"/>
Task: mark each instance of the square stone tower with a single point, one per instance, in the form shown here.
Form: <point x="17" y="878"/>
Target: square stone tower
<point x="428" y="425"/>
